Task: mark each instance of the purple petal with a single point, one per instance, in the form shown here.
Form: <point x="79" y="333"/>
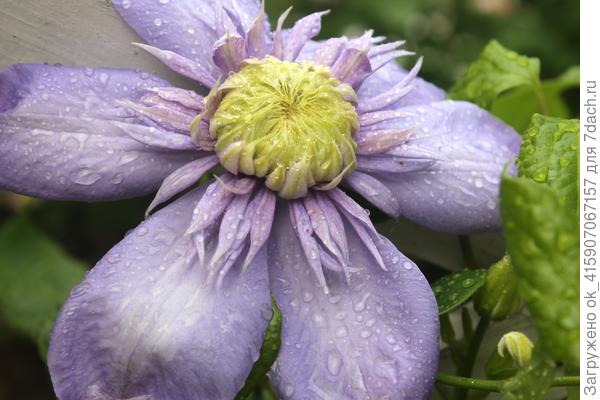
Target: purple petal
<point x="304" y="29"/>
<point x="375" y="337"/>
<point x="65" y="135"/>
<point x="389" y="76"/>
<point x="182" y="179"/>
<point x="352" y="67"/>
<point x="182" y="65"/>
<point x="258" y="35"/>
<point x="452" y="166"/>
<point x="377" y="193"/>
<point x="229" y="52"/>
<point x="186" y="27"/>
<point x="143" y="323"/>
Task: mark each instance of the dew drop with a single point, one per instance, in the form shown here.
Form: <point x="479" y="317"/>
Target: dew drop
<point x="334" y="362"/>
<point x="157" y="21"/>
<point x="467" y="283"/>
<point x="86" y="176"/>
<point x="407" y="265"/>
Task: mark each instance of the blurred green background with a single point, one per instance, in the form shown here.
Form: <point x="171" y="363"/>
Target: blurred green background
<point x="448" y="33"/>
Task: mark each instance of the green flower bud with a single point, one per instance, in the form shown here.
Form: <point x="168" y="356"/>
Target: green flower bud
<point x="497" y="299"/>
<point x="292" y="123"/>
<point x="518" y="346"/>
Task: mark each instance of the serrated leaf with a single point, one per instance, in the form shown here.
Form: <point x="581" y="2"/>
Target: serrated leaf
<point x="516" y="106"/>
<point x="268" y="354"/>
<point x="549" y="154"/>
<point x="542" y="238"/>
<point x="36" y="276"/>
<point x="533" y="381"/>
<point x="455" y="289"/>
<point x="495" y="71"/>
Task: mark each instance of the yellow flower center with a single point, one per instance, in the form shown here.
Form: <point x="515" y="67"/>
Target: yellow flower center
<point x="291" y="123"/>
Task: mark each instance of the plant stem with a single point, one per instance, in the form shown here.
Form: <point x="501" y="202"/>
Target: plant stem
<point x="466" y="369"/>
<point x="467" y="251"/>
<point x="539" y="93"/>
<point x="494" y="385"/>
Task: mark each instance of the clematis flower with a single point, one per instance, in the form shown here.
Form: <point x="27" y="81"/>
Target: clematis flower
<point x="178" y="309"/>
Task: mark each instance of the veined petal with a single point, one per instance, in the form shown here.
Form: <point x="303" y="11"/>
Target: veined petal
<point x="448" y="169"/>
<point x="372" y="338"/>
<point x="186" y="27"/>
<point x="64" y="134"/>
<point x="144" y="323"/>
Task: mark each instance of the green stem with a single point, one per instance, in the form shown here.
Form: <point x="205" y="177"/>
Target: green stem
<point x="466" y="369"/>
<point x="487" y="385"/>
<point x="467" y="251"/>
<point x="539" y="93"/>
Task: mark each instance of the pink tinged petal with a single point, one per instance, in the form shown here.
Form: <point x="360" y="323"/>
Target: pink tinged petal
<point x="389" y="76"/>
<point x="304" y="231"/>
<point x="462" y="150"/>
<point x="258" y="35"/>
<point x="375" y="191"/>
<point x="380" y="141"/>
<point x="181" y="65"/>
<point x="186" y="98"/>
<point x="200" y="134"/>
<point x="375" y="337"/>
<point x="186" y="27"/>
<point x="277" y="50"/>
<point x="262" y="221"/>
<point x="303" y="30"/>
<point x="181" y="179"/>
<point x="142" y="325"/>
<point x="229" y="52"/>
<point x="63" y="134"/>
<point x="352" y="67"/>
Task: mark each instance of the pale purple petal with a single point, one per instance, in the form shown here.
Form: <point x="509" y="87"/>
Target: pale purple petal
<point x="144" y="323"/>
<point x="182" y="65"/>
<point x="388" y="76"/>
<point x="262" y="221"/>
<point x="229" y="52"/>
<point x="64" y="134"/>
<point x="449" y="169"/>
<point x="186" y="27"/>
<point x="377" y="193"/>
<point x="375" y="337"/>
<point x="258" y="36"/>
<point x="352" y="66"/>
<point x="181" y="179"/>
<point x="304" y="29"/>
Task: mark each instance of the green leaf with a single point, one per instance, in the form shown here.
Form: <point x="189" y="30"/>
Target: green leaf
<point x="36" y="276"/>
<point x="455" y="289"/>
<point x="533" y="381"/>
<point x="542" y="238"/>
<point x="516" y="106"/>
<point x="268" y="354"/>
<point x="549" y="154"/>
<point x="495" y="71"/>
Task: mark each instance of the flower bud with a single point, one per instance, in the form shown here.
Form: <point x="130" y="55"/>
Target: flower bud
<point x="518" y="346"/>
<point x="498" y="298"/>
